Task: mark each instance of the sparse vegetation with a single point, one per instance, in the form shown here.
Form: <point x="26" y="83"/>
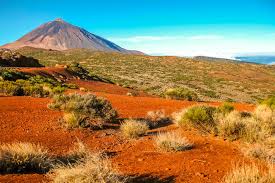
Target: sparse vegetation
<point x="24" y="157"/>
<point x="261" y="152"/>
<point x="231" y="126"/>
<point x="84" y="110"/>
<point x="155" y="75"/>
<point x="92" y="169"/>
<point x="270" y="102"/>
<point x="77" y="69"/>
<point x="134" y="128"/>
<point x="225" y="108"/>
<point x="11" y="75"/>
<point x="249" y="174"/>
<point x="16" y="83"/>
<point x="157" y="118"/>
<point x="181" y="94"/>
<point x="171" y="141"/>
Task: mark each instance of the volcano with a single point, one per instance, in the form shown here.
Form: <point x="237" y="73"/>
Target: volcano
<point x="61" y="35"/>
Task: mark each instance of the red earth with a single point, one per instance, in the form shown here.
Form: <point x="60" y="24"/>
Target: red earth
<point x="28" y="119"/>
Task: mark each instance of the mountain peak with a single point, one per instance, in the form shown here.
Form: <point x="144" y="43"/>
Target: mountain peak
<point x="60" y="35"/>
<point x="59" y="20"/>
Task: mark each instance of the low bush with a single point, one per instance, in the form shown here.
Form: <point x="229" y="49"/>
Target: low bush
<point x="200" y="117"/>
<point x="71" y="86"/>
<point x="256" y="130"/>
<point x="78" y="70"/>
<point x="134" y="128"/>
<point x="172" y="141"/>
<point x="35" y="91"/>
<point x="249" y="174"/>
<point x="225" y="108"/>
<point x="231" y="126"/>
<point x="181" y="94"/>
<point x="36" y="86"/>
<point x="264" y="113"/>
<point x="157" y="118"/>
<point x="84" y="110"/>
<point x="58" y="90"/>
<point x="270" y="102"/>
<point x="11" y="88"/>
<point x="92" y="169"/>
<point x="261" y="152"/>
<point x="10" y="75"/>
<point x="24" y="157"/>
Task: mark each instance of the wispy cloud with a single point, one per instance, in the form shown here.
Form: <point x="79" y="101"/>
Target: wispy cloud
<point x="138" y="39"/>
<point x="206" y="37"/>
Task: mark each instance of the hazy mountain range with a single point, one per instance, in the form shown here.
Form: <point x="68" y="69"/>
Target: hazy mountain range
<point x="60" y="35"/>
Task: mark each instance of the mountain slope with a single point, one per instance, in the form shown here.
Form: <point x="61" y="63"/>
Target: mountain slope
<point x="60" y="35"/>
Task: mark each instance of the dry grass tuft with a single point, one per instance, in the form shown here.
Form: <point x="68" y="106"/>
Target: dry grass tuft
<point x="157" y="118"/>
<point x="172" y="141"/>
<point x="94" y="169"/>
<point x="134" y="128"/>
<point x="231" y="126"/>
<point x="264" y="114"/>
<point x="249" y="174"/>
<point x="22" y="157"/>
<point x="256" y="130"/>
<point x="260" y="152"/>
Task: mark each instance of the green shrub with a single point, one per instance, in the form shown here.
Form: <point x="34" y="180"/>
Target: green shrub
<point x="225" y="108"/>
<point x="58" y="90"/>
<point x="44" y="81"/>
<point x="210" y="93"/>
<point x="11" y="88"/>
<point x="200" y="117"/>
<point x="71" y="86"/>
<point x="35" y="91"/>
<point x="181" y="94"/>
<point x="88" y="109"/>
<point x="270" y="102"/>
<point x="77" y="69"/>
<point x="134" y="128"/>
<point x="11" y="75"/>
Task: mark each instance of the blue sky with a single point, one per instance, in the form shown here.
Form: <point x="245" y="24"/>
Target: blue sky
<point x="221" y="28"/>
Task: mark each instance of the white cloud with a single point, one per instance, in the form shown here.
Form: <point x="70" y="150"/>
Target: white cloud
<point x="206" y="37"/>
<point x="138" y="39"/>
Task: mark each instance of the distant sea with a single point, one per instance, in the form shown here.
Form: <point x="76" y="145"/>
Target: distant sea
<point x="257" y="59"/>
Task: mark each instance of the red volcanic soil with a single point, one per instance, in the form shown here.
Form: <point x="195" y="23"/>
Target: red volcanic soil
<point x="58" y="72"/>
<point x="96" y="86"/>
<point x="28" y="119"/>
